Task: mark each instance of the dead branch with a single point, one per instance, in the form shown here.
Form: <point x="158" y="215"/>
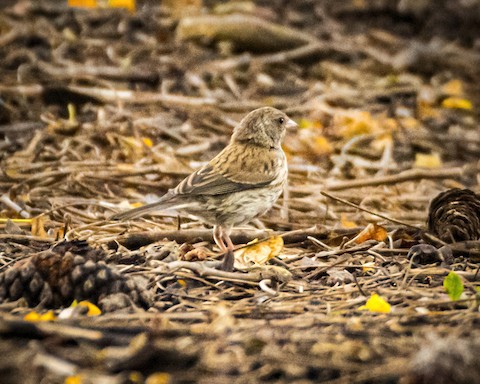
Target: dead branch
<point x="243" y="30"/>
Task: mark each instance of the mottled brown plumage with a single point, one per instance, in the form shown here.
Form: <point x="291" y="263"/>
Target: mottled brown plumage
<point x="242" y="182"/>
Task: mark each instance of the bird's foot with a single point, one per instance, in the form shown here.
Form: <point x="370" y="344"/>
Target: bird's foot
<point x="227" y="263"/>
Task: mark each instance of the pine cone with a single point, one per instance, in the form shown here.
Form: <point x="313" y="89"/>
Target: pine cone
<point x="454" y="215"/>
<point x="67" y="271"/>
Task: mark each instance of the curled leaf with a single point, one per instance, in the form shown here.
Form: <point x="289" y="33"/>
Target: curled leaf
<point x="258" y="253"/>
<point x="372" y="232"/>
<point x="93" y="310"/>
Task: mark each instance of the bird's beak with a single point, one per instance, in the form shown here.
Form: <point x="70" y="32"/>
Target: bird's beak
<point x="291" y="125"/>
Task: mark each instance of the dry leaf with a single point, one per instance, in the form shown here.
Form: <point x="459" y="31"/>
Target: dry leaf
<point x="372" y="232"/>
<point x="376" y="304"/>
<point x="38" y="227"/>
<point x="453" y="88"/>
<point x="132" y="146"/>
<point x="35" y="316"/>
<point x="356" y="123"/>
<point x="347" y="223"/>
<point x="147" y="141"/>
<point x="457" y="103"/>
<point x="368" y="267"/>
<point x="423" y="160"/>
<point x="426" y="111"/>
<point x="383" y="141"/>
<point x="158" y="378"/>
<point x="309" y="124"/>
<point x="82" y="3"/>
<point x="93" y="310"/>
<point x="321" y="146"/>
<point x="129" y="4"/>
<point x="76" y="379"/>
<point x="258" y="253"/>
<point x="409" y="123"/>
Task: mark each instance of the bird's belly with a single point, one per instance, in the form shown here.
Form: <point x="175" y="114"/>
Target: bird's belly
<point x="236" y="208"/>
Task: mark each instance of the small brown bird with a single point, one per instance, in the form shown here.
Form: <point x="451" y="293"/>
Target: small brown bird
<point x="239" y="184"/>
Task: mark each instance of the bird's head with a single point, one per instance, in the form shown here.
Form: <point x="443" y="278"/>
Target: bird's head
<point x="264" y="127"/>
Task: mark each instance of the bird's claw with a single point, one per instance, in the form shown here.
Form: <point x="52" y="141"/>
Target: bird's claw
<point x="227" y="263"/>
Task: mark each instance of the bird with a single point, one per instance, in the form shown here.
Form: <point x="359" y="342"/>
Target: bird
<point x="239" y="184"/>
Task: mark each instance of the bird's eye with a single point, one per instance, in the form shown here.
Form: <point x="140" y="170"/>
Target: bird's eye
<point x="281" y="120"/>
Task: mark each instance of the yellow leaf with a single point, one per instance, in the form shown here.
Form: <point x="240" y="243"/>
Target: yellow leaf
<point x="457" y="103"/>
<point x="158" y="378"/>
<point x="426" y="111"/>
<point x="72" y="113"/>
<point x="409" y="123"/>
<point x="382" y="142"/>
<point x="356" y="123"/>
<point x="305" y="123"/>
<point x="76" y="379"/>
<point x="48" y="316"/>
<point x="135" y="377"/>
<point x="368" y="267"/>
<point x="310" y="142"/>
<point x="32" y="316"/>
<point x="82" y="3"/>
<point x="258" y="252"/>
<point x="391" y="125"/>
<point x="93" y="310"/>
<point x="147" y="141"/>
<point x="38" y="227"/>
<point x="129" y="4"/>
<point x="133" y="147"/>
<point x="372" y="232"/>
<point x="453" y="88"/>
<point x="423" y="160"/>
<point x="376" y="304"/>
<point x="321" y="146"/>
<point x="347" y="223"/>
<point x="35" y="316"/>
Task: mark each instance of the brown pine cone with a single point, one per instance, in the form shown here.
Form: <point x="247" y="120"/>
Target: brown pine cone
<point x="67" y="271"/>
<point x="454" y="215"/>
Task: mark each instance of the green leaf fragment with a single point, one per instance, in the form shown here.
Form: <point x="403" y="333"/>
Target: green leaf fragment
<point x="453" y="285"/>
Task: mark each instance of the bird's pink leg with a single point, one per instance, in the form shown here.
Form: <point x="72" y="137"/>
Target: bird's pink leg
<point x="229" y="258"/>
<point x="222" y="239"/>
<point x="218" y="237"/>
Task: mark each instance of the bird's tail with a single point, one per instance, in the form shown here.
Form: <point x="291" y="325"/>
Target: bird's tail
<point x="136" y="212"/>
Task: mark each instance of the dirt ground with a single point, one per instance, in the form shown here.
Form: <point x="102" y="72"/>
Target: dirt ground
<point x="105" y="109"/>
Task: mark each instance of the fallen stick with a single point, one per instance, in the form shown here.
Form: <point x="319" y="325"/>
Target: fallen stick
<point x="136" y="240"/>
<point x="244" y="31"/>
<point x="412" y="174"/>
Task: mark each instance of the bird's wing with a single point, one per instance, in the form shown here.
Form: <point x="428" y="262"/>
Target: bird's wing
<point x="232" y="170"/>
<point x="207" y="181"/>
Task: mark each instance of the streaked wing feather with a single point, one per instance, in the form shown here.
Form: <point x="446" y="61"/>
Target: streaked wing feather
<point x="206" y="181"/>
